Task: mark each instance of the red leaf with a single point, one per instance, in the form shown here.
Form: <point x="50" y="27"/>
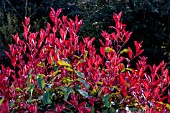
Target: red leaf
<point x="16" y="38"/>
<point x="102" y="50"/>
<point x="54" y="15"/>
<point x="130" y="53"/>
<point x="140" y="52"/>
<point x="27" y="21"/>
<point x="7" y="53"/>
<point x="137" y="46"/>
<point x="33" y="108"/>
<point x="145" y="83"/>
<point x="122" y="80"/>
<point x="101" y="42"/>
<point x="91" y="101"/>
<point x="114" y="36"/>
<point x="146" y="94"/>
<point x="124" y="91"/>
<point x="127" y="36"/>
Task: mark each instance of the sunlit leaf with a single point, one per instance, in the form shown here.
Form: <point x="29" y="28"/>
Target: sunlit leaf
<point x="1" y="101"/>
<point x="108" y="49"/>
<point x="56" y="72"/>
<point x="17" y="89"/>
<point x="69" y="69"/>
<point x="168" y="106"/>
<point x="63" y="63"/>
<point x="66" y="80"/>
<point x="41" y="64"/>
<point x="85" y="55"/>
<point x="124" y="51"/>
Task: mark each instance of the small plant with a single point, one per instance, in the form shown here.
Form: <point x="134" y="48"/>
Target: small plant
<point x="53" y="71"/>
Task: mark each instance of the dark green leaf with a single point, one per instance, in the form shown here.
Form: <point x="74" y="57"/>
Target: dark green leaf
<point x="47" y="97"/>
<point x="111" y="110"/>
<point x="28" y="79"/>
<point x="92" y="110"/>
<point x="79" y="74"/>
<point x="40" y="80"/>
<point x="106" y="111"/>
<point x="67" y="93"/>
<point x="84" y="83"/>
<point x="83" y="93"/>
<point x="106" y="100"/>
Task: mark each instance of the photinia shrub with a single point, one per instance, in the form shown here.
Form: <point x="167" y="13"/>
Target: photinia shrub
<point x="53" y="71"/>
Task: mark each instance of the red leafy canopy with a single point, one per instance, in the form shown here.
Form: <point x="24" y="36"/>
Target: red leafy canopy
<point x="53" y="68"/>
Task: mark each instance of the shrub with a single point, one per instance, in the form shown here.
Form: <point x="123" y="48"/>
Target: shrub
<point x="53" y="71"/>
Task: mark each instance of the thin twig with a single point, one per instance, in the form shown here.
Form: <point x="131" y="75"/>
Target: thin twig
<point x="14" y="9"/>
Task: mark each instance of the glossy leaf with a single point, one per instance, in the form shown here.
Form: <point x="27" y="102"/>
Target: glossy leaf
<point x="83" y="93"/>
<point x="1" y="101"/>
<point x="79" y="74"/>
<point x="47" y="96"/>
<point x="84" y="83"/>
<point x="67" y="93"/>
<point x="63" y="63"/>
<point x="106" y="100"/>
<point x="41" y="82"/>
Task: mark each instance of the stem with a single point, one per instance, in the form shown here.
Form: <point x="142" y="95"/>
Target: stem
<point x="26" y="6"/>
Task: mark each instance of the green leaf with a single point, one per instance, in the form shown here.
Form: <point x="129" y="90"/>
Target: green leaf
<point x="100" y="83"/>
<point x="41" y="82"/>
<point x="41" y="64"/>
<point x="111" y="110"/>
<point x="85" y="55"/>
<point x="168" y="106"/>
<point x="92" y="110"/>
<point x="106" y="111"/>
<point x="32" y="89"/>
<point x="56" y="72"/>
<point x="79" y="74"/>
<point x="108" y="49"/>
<point x="127" y="69"/>
<point x="83" y="93"/>
<point x="69" y="69"/>
<point x="29" y="101"/>
<point x="84" y="83"/>
<point x="124" y="51"/>
<point x="67" y="93"/>
<point x="28" y="80"/>
<point x="106" y="100"/>
<point x="63" y="63"/>
<point x="47" y="97"/>
<point x="66" y="80"/>
<point x="17" y="89"/>
<point x="80" y="61"/>
<point x="1" y="101"/>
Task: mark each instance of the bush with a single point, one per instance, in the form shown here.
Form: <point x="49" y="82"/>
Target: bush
<point x="52" y="71"/>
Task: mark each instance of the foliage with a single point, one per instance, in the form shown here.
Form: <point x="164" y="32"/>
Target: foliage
<point x="53" y="71"/>
<point x="149" y="20"/>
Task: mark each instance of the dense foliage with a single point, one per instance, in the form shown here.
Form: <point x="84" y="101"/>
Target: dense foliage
<point x="149" y="20"/>
<point x="53" y="71"/>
